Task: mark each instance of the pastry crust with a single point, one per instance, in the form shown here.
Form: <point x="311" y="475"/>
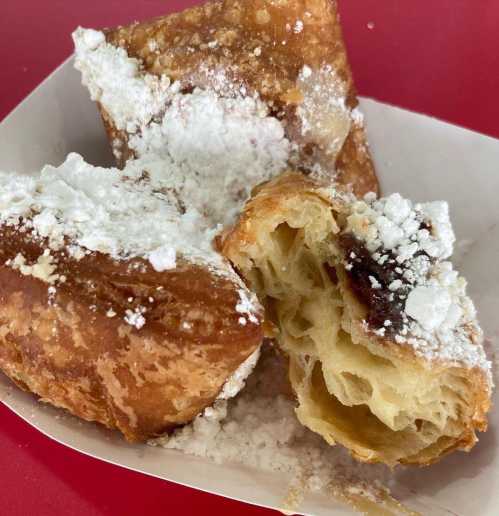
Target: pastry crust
<point x="114" y="339"/>
<point x="355" y="386"/>
<point x="263" y="48"/>
<point x="68" y="351"/>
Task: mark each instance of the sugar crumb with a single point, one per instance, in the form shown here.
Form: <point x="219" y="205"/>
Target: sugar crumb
<point x="416" y="239"/>
<point x="298" y="27"/>
<point x="135" y="318"/>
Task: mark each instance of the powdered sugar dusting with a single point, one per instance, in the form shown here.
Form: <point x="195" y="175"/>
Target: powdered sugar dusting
<point x="43" y="269"/>
<point x="223" y="146"/>
<point x="429" y="306"/>
<point x="414" y="241"/>
<point x="114" y="80"/>
<point x="223" y="138"/>
<point x="357" y="116"/>
<point x="298" y="27"/>
<point x="238" y="379"/>
<point x="246" y="306"/>
<point x="138" y="212"/>
<point x="135" y="318"/>
<point x="394" y="224"/>
<point x="323" y="113"/>
<point x="260" y="429"/>
<point x="163" y="258"/>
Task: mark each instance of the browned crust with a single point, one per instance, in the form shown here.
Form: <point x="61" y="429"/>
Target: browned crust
<point x="269" y="199"/>
<point x="181" y="50"/>
<point x="142" y="382"/>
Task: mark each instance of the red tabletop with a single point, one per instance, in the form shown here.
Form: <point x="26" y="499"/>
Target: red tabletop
<point x="438" y="57"/>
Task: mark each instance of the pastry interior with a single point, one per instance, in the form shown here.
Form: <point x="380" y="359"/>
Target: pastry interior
<point x="373" y="396"/>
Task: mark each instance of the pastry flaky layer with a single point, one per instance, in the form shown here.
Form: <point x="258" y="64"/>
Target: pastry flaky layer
<point x="95" y="322"/>
<point x="288" y="56"/>
<point x="377" y="367"/>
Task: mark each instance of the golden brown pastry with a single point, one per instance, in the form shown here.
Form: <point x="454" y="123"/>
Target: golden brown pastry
<point x="385" y="352"/>
<point x="113" y="304"/>
<point x="277" y="63"/>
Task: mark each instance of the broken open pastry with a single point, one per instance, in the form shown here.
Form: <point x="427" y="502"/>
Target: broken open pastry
<point x="113" y="303"/>
<point x="385" y="351"/>
<point x="253" y="86"/>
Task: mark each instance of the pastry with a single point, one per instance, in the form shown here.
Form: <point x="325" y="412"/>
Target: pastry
<point x="252" y="85"/>
<point x="384" y="348"/>
<point x="113" y="303"/>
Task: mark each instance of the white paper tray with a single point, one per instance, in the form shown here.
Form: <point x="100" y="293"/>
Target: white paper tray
<point x="418" y="156"/>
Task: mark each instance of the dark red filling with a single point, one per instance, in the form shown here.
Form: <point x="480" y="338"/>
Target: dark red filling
<point x="382" y="304"/>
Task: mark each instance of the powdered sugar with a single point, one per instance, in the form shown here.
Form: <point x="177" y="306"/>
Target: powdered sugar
<point x="132" y="213"/>
<point x="238" y="379"/>
<point x="222" y="147"/>
<point x="114" y="80"/>
<point x="325" y="118"/>
<point x="139" y="212"/>
<point x="246" y="306"/>
<point x="298" y="27"/>
<point x="306" y="72"/>
<point x="393" y="223"/>
<point x="135" y="318"/>
<point x="225" y="146"/>
<point x="428" y="305"/>
<point x="414" y="241"/>
<point x="90" y="38"/>
<point x="163" y="258"/>
<point x="43" y="269"/>
<point x="357" y="116"/>
<point x="260" y="429"/>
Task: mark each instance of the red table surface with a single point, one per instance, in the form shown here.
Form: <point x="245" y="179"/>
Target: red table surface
<point x="438" y="57"/>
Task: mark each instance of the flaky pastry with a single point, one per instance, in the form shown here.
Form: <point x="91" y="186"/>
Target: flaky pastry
<point x="113" y="304"/>
<point x="385" y="352"/>
<point x="284" y="62"/>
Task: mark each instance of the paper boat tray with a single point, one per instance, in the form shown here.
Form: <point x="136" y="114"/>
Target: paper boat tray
<point x="415" y="155"/>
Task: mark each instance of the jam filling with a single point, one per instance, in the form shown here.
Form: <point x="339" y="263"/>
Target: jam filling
<point x="382" y="304"/>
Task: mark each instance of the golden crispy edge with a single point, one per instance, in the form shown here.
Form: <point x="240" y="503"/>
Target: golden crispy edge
<point x="66" y="349"/>
<point x="266" y="201"/>
<point x="178" y="45"/>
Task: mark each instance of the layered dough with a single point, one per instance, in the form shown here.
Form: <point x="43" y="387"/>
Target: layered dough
<point x="356" y="385"/>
